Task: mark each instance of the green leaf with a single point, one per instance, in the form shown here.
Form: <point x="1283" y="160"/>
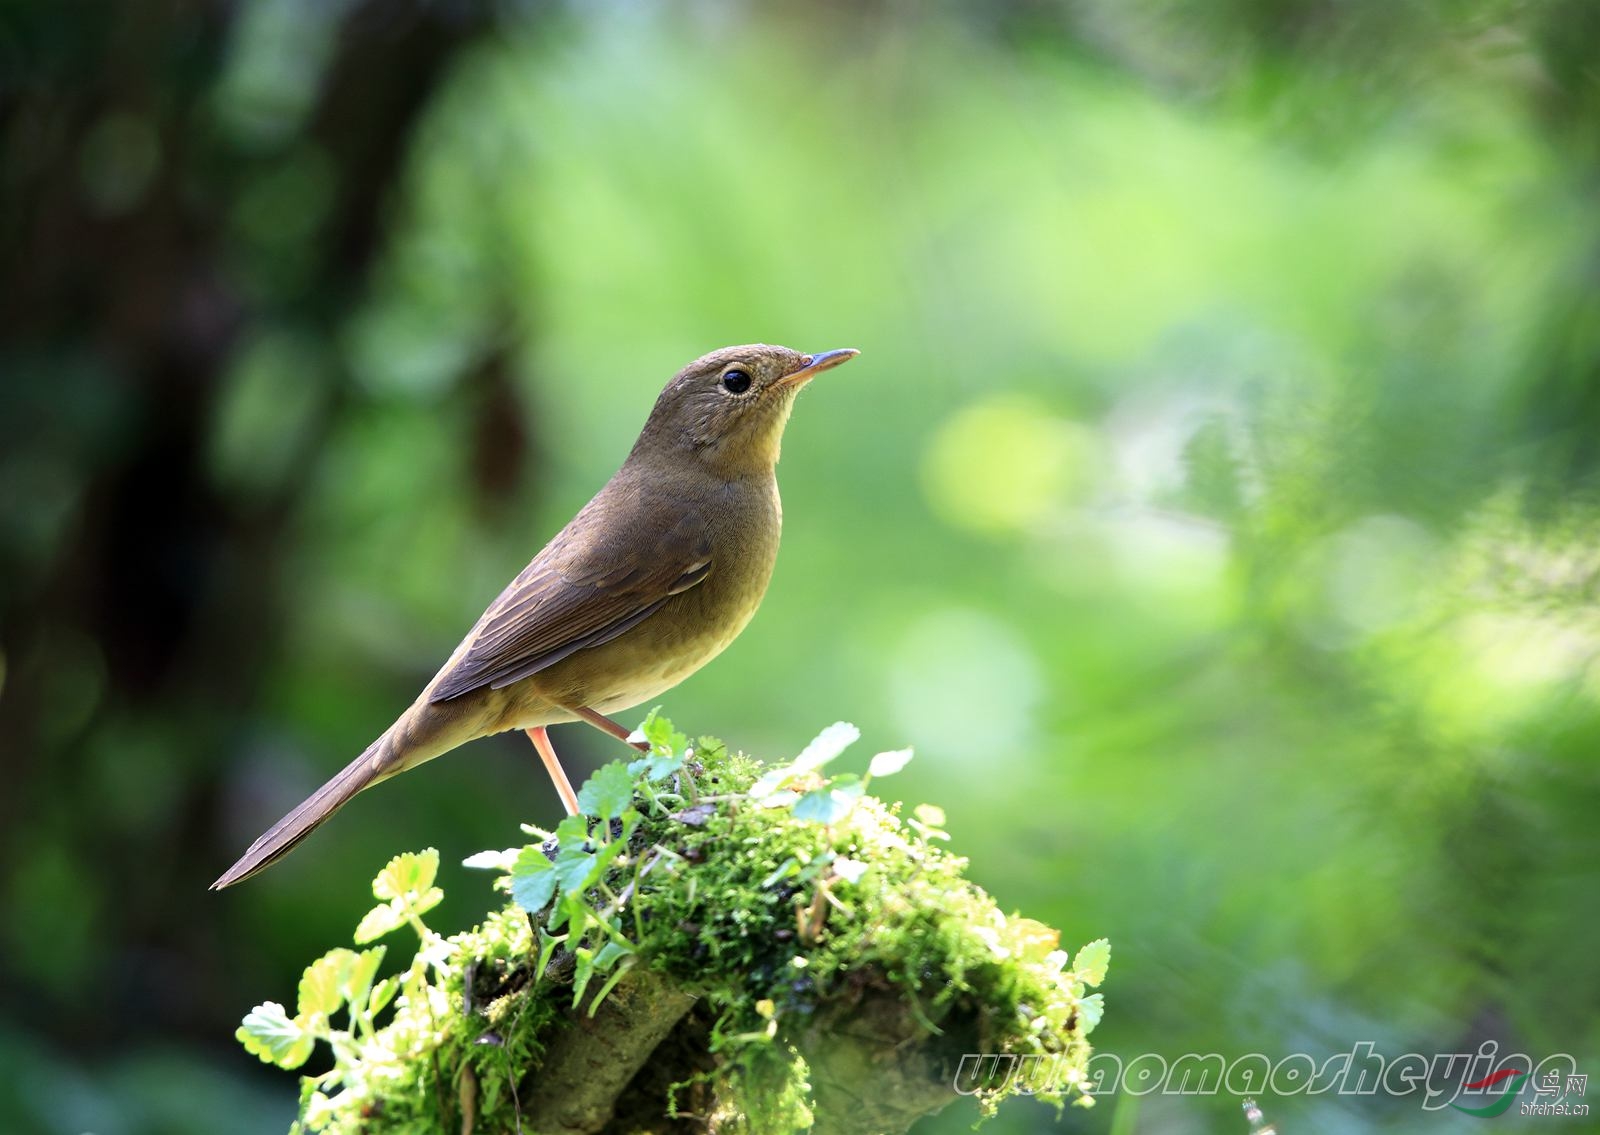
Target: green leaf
<point x="570" y="910"/>
<point x="1090" y="1010"/>
<point x="886" y="764"/>
<point x="769" y="783"/>
<point x="578" y="864"/>
<point x="533" y="879"/>
<point x="827" y="805"/>
<point x="268" y="1032"/>
<point x="578" y="870"/>
<point x="608" y="792"/>
<point x="609" y="953"/>
<point x="656" y="766"/>
<point x="357" y="983"/>
<point x="408" y="873"/>
<point x="790" y="866"/>
<point x="1091" y="962"/>
<point x="611" y="983"/>
<point x="661" y="736"/>
<point x="547" y="950"/>
<point x="827" y="745"/>
<point x="572" y="833"/>
<point x="1030" y="939"/>
<point x="572" y="869"/>
<point x="379" y="921"/>
<point x="322" y="984"/>
<point x="582" y="972"/>
<point x="382" y="994"/>
<point x="426" y="901"/>
<point x="928" y="821"/>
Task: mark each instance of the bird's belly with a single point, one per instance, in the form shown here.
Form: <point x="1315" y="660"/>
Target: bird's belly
<point x="661" y="652"/>
<point x="687" y="631"/>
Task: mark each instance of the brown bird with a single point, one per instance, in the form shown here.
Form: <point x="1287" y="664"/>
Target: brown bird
<point x="649" y="582"/>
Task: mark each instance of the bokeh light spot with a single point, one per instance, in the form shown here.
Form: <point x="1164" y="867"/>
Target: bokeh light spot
<point x="1370" y="576"/>
<point x="964" y="685"/>
<point x="1003" y="463"/>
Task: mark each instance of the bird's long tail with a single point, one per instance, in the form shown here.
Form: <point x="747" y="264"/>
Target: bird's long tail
<point x="379" y="762"/>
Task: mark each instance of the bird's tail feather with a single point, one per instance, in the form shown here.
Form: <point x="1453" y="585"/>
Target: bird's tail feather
<point x="377" y="763"/>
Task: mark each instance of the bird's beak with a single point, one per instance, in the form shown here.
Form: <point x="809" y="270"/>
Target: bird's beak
<point x="814" y="365"/>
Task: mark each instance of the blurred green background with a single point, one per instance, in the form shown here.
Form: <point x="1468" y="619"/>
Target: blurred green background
<point x="1214" y="505"/>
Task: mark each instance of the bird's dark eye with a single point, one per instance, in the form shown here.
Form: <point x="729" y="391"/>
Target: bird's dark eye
<point x="735" y="381"/>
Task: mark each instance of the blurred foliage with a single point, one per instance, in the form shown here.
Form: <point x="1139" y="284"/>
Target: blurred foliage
<point x="1214" y="503"/>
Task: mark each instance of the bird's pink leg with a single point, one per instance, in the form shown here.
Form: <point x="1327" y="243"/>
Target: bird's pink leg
<point x="552" y="765"/>
<point x="601" y="721"/>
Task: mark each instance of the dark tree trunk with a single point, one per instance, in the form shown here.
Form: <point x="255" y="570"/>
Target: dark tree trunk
<point x="139" y="251"/>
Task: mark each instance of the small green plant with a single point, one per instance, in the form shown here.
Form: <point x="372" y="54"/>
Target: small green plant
<point x="344" y="981"/>
<point x="770" y="897"/>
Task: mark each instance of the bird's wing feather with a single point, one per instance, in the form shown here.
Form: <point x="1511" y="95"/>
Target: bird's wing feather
<point x="592" y="582"/>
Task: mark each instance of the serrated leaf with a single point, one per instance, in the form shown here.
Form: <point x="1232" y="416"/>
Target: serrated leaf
<point x="533" y="879"/>
<point x="572" y="833"/>
<point x="608" y="792"/>
<point x="1091" y="962"/>
<point x="322" y="983"/>
<point x="410" y="871"/>
<point x="572" y="870"/>
<point x="379" y="921"/>
<point x="492" y="860"/>
<point x="661" y="736"/>
<point x="827" y="745"/>
<point x="1090" y="1010"/>
<point x="269" y="1033"/>
<point x="887" y="764"/>
<point x="577" y="871"/>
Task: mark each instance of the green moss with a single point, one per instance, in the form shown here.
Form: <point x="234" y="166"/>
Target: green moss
<point x="780" y="927"/>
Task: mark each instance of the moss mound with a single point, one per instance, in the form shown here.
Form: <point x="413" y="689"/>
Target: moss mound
<point x="712" y="945"/>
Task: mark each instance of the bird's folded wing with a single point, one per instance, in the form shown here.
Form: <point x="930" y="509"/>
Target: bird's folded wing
<point x="587" y="587"/>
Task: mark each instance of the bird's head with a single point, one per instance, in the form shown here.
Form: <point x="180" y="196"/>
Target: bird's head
<point x="729" y="408"/>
